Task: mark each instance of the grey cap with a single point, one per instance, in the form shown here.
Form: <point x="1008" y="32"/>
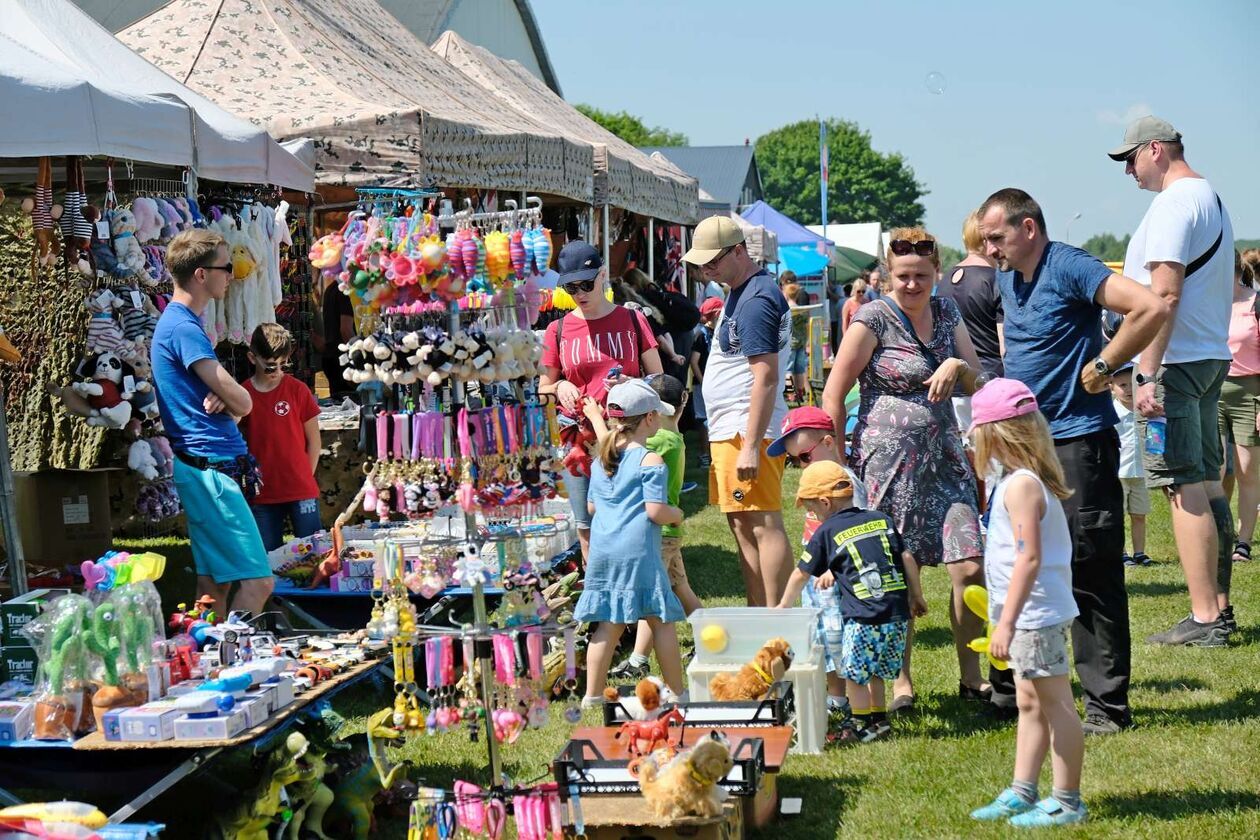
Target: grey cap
<point x="635" y="397"/>
<point x="1142" y="131"/>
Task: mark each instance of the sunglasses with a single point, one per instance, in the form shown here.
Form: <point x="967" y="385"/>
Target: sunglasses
<point x="272" y="367"/>
<point x="904" y="247"/>
<point x="579" y="286"/>
<point x="227" y="268"/>
<point x="1132" y="156"/>
<point x="806" y="457"/>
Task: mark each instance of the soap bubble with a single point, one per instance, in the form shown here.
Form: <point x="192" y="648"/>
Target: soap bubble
<point x="935" y="82"/>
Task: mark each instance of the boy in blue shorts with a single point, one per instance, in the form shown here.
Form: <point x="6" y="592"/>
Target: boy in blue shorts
<point x="859" y="553"/>
<point x="200" y="404"/>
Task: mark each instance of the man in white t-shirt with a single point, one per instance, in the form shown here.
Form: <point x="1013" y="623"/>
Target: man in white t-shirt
<point x="1183" y="250"/>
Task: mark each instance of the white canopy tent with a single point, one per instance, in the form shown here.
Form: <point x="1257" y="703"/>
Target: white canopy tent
<point x="763" y="244"/>
<point x="860" y="236"/>
<point x="69" y="87"/>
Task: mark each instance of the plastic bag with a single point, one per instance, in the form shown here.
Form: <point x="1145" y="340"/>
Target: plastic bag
<point x="63" y="680"/>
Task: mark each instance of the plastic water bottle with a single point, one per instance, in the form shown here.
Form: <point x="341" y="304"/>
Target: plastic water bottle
<point x="1156" y="427"/>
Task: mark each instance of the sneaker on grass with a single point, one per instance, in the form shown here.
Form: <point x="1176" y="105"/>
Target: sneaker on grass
<point x="627" y="671"/>
<point x="1007" y="804"/>
<point x="1097" y="724"/>
<point x="1191" y="633"/>
<point x="1048" y="812"/>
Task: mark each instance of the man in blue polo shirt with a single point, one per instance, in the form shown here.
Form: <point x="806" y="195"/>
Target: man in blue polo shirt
<point x="200" y="404"/>
<point x="1052" y="299"/>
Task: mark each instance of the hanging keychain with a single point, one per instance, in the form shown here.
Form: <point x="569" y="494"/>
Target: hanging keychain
<point x="573" y="711"/>
<point x="534" y="654"/>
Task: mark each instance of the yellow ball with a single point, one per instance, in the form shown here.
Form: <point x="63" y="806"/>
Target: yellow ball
<point x="714" y="638"/>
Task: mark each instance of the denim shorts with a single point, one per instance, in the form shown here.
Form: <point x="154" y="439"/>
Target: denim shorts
<point x="303" y="515"/>
<point x="226" y="545"/>
<point x="578" y="487"/>
<point x="1037" y="654"/>
<point x="798" y="360"/>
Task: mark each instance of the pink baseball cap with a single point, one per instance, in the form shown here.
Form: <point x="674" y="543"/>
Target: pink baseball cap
<point x="804" y="417"/>
<point x="1001" y="399"/>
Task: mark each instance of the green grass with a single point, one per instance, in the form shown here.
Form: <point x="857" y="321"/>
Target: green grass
<point x="1188" y="770"/>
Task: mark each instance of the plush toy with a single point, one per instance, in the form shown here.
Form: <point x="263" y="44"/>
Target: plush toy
<point x="686" y="785"/>
<point x="104" y="374"/>
<point x="251" y="819"/>
<point x="243" y="261"/>
<point x="143" y="399"/>
<point x="42" y="215"/>
<point x="158" y="501"/>
<point x="137" y="312"/>
<point x="103" y="332"/>
<point x="753" y="680"/>
<point x="649" y="694"/>
<point x="172" y="222"/>
<point x="148" y="220"/>
<point x="126" y="247"/>
<point x="76" y="230"/>
<point x="140" y="458"/>
<point x="163" y="455"/>
<point x="354" y="794"/>
<point x="63" y="706"/>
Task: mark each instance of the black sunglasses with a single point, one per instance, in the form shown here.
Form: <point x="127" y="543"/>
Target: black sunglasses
<point x="273" y="367"/>
<point x="903" y="247"/>
<point x="1132" y="156"/>
<point x="227" y="268"/>
<point x="579" y="286"/>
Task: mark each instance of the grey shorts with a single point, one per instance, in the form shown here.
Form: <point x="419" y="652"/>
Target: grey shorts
<point x="1040" y="653"/>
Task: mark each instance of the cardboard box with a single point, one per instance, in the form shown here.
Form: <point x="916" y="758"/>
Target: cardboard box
<point x="265" y="694"/>
<point x="63" y="515"/>
<point x="256" y="711"/>
<point x="359" y="568"/>
<point x="214" y="728"/>
<point x="111" y="723"/>
<point x="150" y="722"/>
<point x="18" y="663"/>
<point x="341" y="582"/>
<point x="16" y="613"/>
<point x="282" y="688"/>
<point x="17" y="720"/>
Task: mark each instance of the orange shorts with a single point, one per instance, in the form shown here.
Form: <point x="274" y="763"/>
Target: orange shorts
<point x="765" y="493"/>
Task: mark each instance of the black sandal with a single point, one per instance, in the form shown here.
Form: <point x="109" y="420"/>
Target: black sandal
<point x="1242" y="551"/>
<point x="979" y="695"/>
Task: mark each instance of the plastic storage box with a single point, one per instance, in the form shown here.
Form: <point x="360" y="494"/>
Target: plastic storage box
<point x="808" y="676"/>
<point x="749" y="628"/>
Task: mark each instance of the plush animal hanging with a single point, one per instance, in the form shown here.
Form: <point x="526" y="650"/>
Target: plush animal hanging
<point x="686" y="785"/>
<point x="753" y="680"/>
<point x="103" y="332"/>
<point x="140" y="458"/>
<point x="148" y="220"/>
<point x="127" y="248"/>
<point x="139" y="315"/>
<point x="76" y="230"/>
<point x="103" y="375"/>
<point x="42" y="215"/>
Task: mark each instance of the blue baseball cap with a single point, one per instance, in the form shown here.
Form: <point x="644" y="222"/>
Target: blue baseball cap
<point x="578" y="261"/>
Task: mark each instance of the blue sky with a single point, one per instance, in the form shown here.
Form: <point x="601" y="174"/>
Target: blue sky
<point x="1034" y="94"/>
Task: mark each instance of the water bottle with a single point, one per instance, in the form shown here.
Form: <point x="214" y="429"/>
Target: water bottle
<point x="1155" y="431"/>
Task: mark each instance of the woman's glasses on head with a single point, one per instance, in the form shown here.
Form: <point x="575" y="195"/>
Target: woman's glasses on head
<point x="904" y="247"/>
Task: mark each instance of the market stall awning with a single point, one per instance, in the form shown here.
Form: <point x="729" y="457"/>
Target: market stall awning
<point x="377" y="102"/>
<point x="763" y="245"/>
<point x="790" y="231"/>
<point x="69" y="87"/>
<point x="624" y="176"/>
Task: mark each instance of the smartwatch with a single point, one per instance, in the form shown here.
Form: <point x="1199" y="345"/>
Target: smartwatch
<point x="1101" y="366"/>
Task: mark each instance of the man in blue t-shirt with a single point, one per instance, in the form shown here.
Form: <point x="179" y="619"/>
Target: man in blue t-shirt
<point x="743" y="397"/>
<point x="200" y="404"/>
<point x="1052" y="300"/>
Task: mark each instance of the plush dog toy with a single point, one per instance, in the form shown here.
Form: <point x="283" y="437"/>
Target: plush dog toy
<point x="127" y="248"/>
<point x="103" y="389"/>
<point x="753" y="680"/>
<point x="649" y="694"/>
<point x="686" y="785"/>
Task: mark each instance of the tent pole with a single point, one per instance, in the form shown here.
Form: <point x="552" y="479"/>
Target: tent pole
<point x="590" y="227"/>
<point x="686" y="278"/>
<point x="605" y="242"/>
<point x="8" y="512"/>
<point x="651" y="260"/>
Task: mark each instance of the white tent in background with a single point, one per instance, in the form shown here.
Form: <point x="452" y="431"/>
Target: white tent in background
<point x="763" y="244"/>
<point x="68" y="87"/>
<point x="860" y="236"/>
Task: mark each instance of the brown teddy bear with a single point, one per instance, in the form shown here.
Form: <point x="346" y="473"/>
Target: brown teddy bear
<point x="686" y="785"/>
<point x="753" y="680"/>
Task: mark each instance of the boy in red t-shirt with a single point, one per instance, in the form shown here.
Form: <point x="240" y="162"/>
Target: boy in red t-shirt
<point x="283" y="435"/>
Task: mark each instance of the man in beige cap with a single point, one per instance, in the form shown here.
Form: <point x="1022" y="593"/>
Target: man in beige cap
<point x="1183" y="250"/>
<point x="743" y="395"/>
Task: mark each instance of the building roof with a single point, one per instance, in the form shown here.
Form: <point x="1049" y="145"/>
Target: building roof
<point x="721" y="170"/>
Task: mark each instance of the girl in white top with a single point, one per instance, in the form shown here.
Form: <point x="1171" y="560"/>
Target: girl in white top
<point x="1028" y="568"/>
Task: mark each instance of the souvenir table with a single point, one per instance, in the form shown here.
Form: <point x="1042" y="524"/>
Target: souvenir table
<point x="139" y="772"/>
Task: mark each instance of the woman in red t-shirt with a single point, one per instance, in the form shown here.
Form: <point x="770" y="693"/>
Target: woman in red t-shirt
<point x="282" y="432"/>
<point x="579" y="351"/>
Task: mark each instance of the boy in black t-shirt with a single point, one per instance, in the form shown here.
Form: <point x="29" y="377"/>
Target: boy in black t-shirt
<point x="861" y="552"/>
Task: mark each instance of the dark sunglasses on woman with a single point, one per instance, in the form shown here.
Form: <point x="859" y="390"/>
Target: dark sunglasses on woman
<point x="579" y="286"/>
<point x="903" y="247"/>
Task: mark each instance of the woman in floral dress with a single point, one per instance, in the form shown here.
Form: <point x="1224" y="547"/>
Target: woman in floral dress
<point x="908" y="351"/>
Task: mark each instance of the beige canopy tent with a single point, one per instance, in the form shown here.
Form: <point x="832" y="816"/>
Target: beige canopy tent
<point x="624" y="176"/>
<point x="378" y="103"/>
<point x="763" y="244"/>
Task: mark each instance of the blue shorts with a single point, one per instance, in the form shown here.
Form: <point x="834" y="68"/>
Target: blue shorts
<point x="873" y="650"/>
<point x="798" y="360"/>
<point x="271" y="519"/>
<point x="226" y="545"/>
<point x="578" y="487"/>
<point x="830" y="621"/>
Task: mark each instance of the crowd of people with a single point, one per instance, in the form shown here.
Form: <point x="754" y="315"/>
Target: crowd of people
<point x="1012" y="410"/>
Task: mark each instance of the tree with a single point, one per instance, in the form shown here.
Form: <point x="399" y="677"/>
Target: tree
<point x="864" y="185"/>
<point x="1107" y="247"/>
<point x="632" y="129"/>
<point x="949" y="256"/>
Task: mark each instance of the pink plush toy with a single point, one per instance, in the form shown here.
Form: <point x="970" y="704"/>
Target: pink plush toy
<point x="148" y="220"/>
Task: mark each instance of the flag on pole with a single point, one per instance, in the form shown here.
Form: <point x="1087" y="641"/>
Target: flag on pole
<point x="823" y="166"/>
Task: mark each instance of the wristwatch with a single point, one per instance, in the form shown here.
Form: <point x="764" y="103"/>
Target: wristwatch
<point x="1101" y="366"/>
<point x="1143" y="379"/>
